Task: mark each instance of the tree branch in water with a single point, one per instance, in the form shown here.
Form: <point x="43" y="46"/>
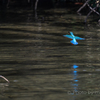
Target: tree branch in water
<point x="4" y="78"/>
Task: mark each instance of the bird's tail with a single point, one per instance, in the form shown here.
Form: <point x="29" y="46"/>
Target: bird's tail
<point x="74" y="42"/>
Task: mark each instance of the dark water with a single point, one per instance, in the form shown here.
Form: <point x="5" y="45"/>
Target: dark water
<point x="43" y="65"/>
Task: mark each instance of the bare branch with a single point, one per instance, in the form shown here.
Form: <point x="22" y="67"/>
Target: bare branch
<point x="36" y="4"/>
<point x="89" y="13"/>
<point x="4" y="78"/>
<point x="83" y="6"/>
<point x="93" y="9"/>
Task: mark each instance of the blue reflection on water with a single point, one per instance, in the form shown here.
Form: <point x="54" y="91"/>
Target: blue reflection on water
<point x="75" y="72"/>
<point x="75" y="80"/>
<point x="75" y="66"/>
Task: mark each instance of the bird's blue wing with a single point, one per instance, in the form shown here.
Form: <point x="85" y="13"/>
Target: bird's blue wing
<point x="68" y="36"/>
<point x="72" y="34"/>
<point x="79" y="38"/>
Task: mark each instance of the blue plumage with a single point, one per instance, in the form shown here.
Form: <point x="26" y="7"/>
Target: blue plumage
<point x="74" y="38"/>
<point x="74" y="42"/>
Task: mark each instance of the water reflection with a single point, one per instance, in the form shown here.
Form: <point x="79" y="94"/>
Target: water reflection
<point x="74" y="84"/>
<point x="3" y="88"/>
<point x="75" y="80"/>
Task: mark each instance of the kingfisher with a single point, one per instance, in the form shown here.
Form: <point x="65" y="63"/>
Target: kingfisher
<point x="73" y="38"/>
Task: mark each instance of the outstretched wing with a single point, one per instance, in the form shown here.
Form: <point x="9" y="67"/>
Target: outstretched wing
<point x="68" y="36"/>
<point x="71" y="33"/>
<point x="79" y="38"/>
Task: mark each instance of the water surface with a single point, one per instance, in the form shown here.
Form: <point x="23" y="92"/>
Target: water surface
<point x="40" y="63"/>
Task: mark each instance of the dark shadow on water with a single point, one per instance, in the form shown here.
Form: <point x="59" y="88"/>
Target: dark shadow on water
<point x="69" y="25"/>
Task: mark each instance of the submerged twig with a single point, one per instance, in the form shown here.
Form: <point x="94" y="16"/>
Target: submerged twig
<point x="4" y="78"/>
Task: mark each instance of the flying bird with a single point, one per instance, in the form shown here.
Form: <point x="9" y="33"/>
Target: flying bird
<point x="73" y="38"/>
